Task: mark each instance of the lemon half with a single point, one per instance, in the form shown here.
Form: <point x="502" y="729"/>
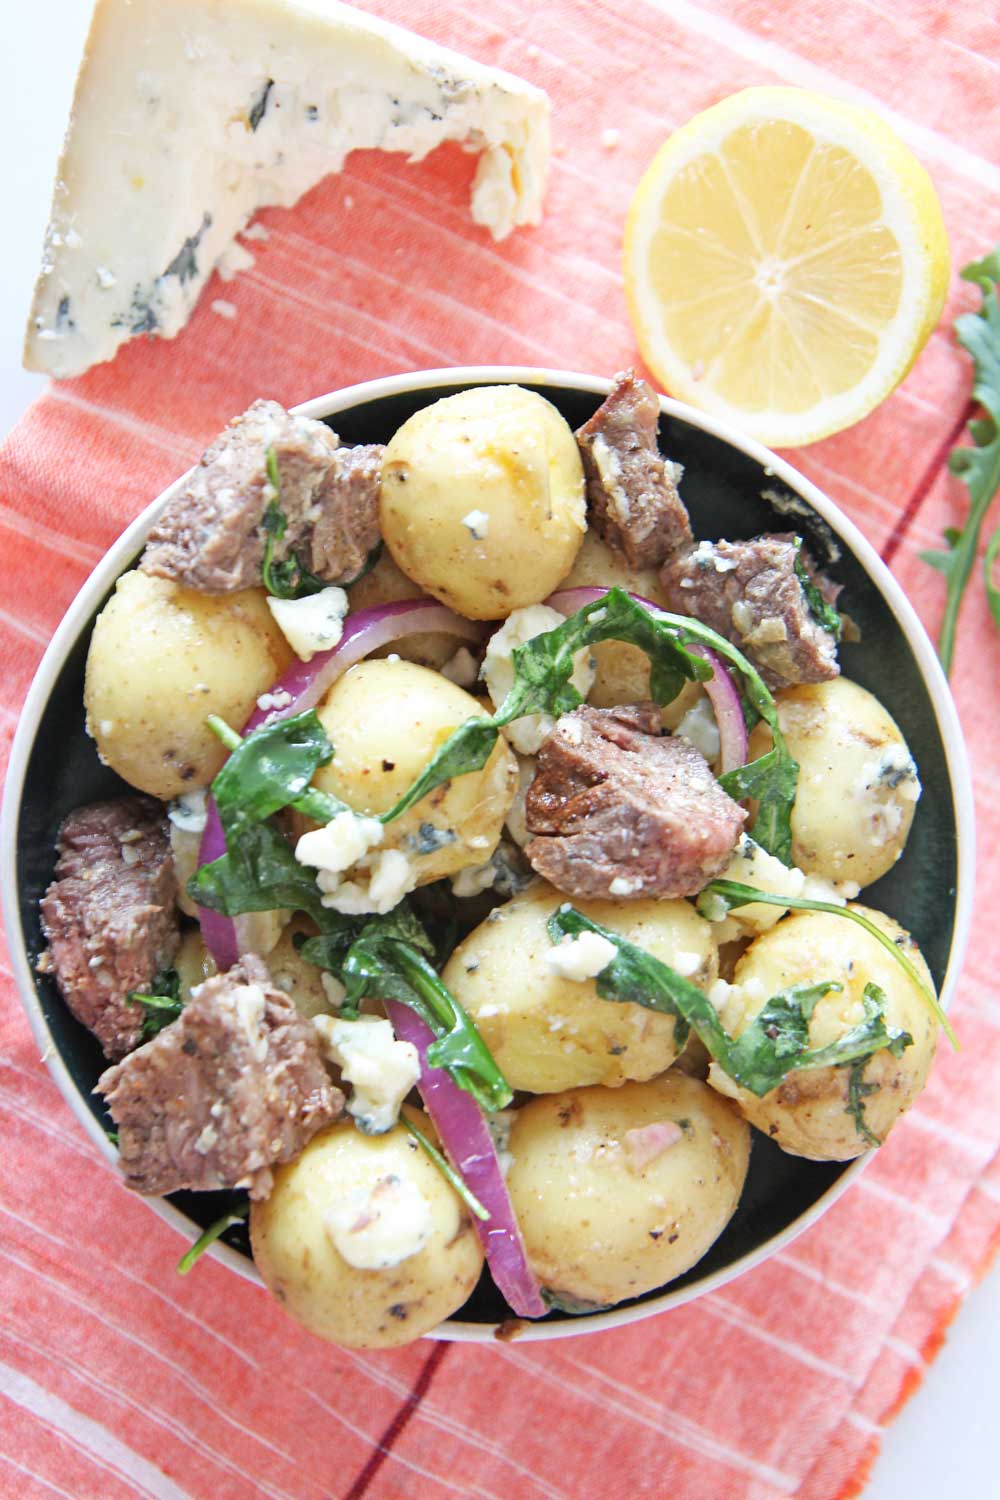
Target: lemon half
<point x="785" y="262"/>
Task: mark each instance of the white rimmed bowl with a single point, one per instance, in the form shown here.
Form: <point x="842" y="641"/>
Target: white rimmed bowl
<point x="734" y="488"/>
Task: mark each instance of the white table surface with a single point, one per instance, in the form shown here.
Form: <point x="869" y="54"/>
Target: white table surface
<point x="944" y="1440"/>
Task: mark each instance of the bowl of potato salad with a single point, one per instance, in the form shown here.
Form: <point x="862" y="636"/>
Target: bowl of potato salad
<point x="487" y="854"/>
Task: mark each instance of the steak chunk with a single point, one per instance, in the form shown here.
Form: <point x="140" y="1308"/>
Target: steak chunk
<point x="212" y="538"/>
<point x="750" y="593"/>
<point x="621" y="810"/>
<point x="235" y="1085"/>
<point x="631" y="487"/>
<point x="109" y="915"/>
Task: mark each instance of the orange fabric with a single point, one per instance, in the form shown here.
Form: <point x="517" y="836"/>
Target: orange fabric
<point x="123" y="1380"/>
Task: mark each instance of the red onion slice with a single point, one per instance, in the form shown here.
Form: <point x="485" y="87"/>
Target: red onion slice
<point x="304" y="684"/>
<point x="720" y="688"/>
<point x="465" y="1136"/>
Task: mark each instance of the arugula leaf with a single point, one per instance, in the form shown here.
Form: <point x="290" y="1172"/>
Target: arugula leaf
<point x="720" y="896"/>
<point x="209" y="1236"/>
<point x="163" y="1003"/>
<point x="775" y="1043"/>
<point x="978" y="465"/>
<point x="857" y="1093"/>
<point x="542" y="670"/>
<point x="288" y="579"/>
<point x="259" y="872"/>
<point x="822" y="612"/>
<point x="992" y="589"/>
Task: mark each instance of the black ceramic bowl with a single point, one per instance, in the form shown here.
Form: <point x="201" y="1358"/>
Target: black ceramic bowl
<point x="733" y="488"/>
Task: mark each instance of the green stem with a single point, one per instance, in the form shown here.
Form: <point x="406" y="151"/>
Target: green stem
<point x="209" y="1236"/>
<point x="447" y="1171"/>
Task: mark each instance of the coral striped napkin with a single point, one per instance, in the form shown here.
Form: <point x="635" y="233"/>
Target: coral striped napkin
<point x="120" y="1380"/>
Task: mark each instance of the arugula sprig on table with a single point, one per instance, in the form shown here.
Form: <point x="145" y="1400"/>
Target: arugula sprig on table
<point x="543" y="667"/>
<point x="775" y="1043"/>
<point x="977" y="465"/>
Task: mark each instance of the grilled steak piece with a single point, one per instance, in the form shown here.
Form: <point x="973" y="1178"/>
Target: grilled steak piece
<point x="631" y="488"/>
<point x="620" y="810"/>
<point x="347" y="529"/>
<point x="109" y="915"/>
<point x="212" y="538"/>
<point x="234" y="1086"/>
<point x="750" y="593"/>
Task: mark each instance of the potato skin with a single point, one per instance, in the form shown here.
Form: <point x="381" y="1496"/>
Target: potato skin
<point x="300" y="1264"/>
<point x="385" y="720"/>
<point x="301" y="981"/>
<point x="808" y="1114"/>
<point x="508" y="453"/>
<point x="595" y="1227"/>
<point x="384" y="584"/>
<point x="548" y="1033"/>
<point x="857" y="789"/>
<point x="161" y="659"/>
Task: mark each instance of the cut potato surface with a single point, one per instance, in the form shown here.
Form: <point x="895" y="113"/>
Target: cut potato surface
<point x="785" y="262"/>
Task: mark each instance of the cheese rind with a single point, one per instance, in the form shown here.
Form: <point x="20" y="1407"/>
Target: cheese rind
<point x="188" y="118"/>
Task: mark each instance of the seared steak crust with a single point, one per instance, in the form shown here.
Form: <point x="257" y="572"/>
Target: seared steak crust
<point x="109" y="915"/>
<point x="631" y="488"/>
<point x="211" y="537"/>
<point x="620" y="810"/>
<point x="750" y="593"/>
<point x="234" y="1086"/>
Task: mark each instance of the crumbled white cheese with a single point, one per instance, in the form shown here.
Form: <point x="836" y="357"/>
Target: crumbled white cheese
<point x="256" y="232"/>
<point x="340" y="843"/>
<point x="381" y="1226"/>
<point x="685" y="963"/>
<point x="473" y="879"/>
<point x="391" y="877"/>
<point x="477" y="524"/>
<point x="706" y="556"/>
<point x="380" y="1069"/>
<point x="233" y="260"/>
<point x="312" y="623"/>
<point x="332" y="989"/>
<point x="224" y="309"/>
<point x="700" y="729"/>
<point x="251" y="1002"/>
<point x="527" y="733"/>
<point x="752" y="865"/>
<point x="581" y="958"/>
<point x="270" y="702"/>
<point x="189" y="812"/>
<point x="206" y="1140"/>
<point x="461" y="669"/>
<point x="623" y="886"/>
<point x="130" y="856"/>
<point x="719" y="993"/>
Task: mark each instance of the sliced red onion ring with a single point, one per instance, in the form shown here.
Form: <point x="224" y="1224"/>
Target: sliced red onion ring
<point x="304" y="684"/>
<point x="720" y="688"/>
<point x="465" y="1136"/>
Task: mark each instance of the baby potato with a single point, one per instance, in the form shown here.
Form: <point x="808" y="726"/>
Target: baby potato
<point x="483" y="499"/>
<point x="810" y="1114"/>
<point x="363" y="1241"/>
<point x="858" y="785"/>
<point x="161" y="659"/>
<point x="384" y="584"/>
<point x="618" y="1191"/>
<point x="549" y="1033"/>
<point x="315" y="992"/>
<point x="193" y="962"/>
<point x="386" y="720"/>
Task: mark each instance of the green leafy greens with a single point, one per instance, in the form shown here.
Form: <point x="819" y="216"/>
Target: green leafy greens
<point x="775" y="1043"/>
<point x="720" y="896"/>
<point x="210" y="1235"/>
<point x="542" y="670"/>
<point x="977" y="465"/>
<point x="857" y="1092"/>
<point x="163" y="1003"/>
<point x="822" y="612"/>
<point x="290" y="578"/>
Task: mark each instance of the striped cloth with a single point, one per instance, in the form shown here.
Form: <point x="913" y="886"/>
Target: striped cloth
<point x="116" y="1378"/>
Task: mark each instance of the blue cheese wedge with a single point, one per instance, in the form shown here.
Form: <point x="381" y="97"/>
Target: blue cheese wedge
<point x="189" y="117"/>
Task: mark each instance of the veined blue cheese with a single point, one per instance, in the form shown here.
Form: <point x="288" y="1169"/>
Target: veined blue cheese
<point x="380" y="1069"/>
<point x="581" y="958"/>
<point x="189" y="117"/>
<point x="377" y="1227"/>
<point x="313" y="623"/>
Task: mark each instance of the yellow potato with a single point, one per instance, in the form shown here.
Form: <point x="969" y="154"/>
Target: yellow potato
<point x="810" y="1113"/>
<point x="858" y="785"/>
<point x="193" y="962"/>
<point x="161" y="659"/>
<point x="384" y="584"/>
<point x="549" y="1033"/>
<point x="618" y="1191"/>
<point x="302" y="981"/>
<point x="386" y="720"/>
<point x="309" y="1236"/>
<point x="483" y="499"/>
